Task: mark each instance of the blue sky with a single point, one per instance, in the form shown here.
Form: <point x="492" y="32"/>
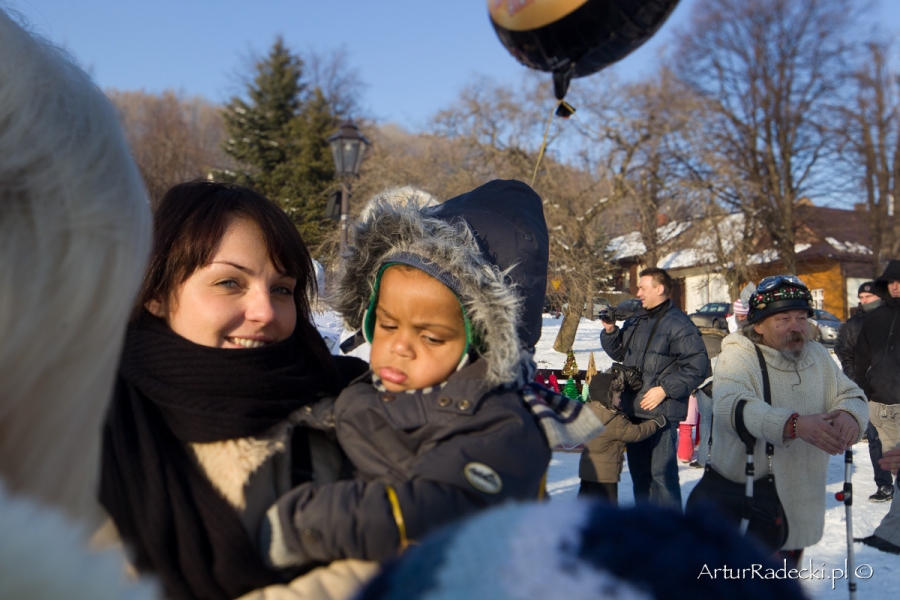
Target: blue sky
<point x="413" y="56"/>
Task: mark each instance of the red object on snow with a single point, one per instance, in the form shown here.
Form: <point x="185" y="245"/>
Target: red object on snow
<point x="553" y="383"/>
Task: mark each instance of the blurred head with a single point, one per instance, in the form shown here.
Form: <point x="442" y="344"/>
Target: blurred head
<point x="891" y="278"/>
<point x="228" y="269"/>
<point x="654" y="287"/>
<point x="74" y="237"/>
<point x="420" y="334"/>
<point x="740" y="311"/>
<point x="867" y="293"/>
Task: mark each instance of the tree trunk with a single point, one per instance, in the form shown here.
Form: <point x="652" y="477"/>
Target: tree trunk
<point x="566" y="336"/>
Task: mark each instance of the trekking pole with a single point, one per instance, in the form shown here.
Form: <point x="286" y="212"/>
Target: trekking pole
<point x="748" y="495"/>
<point x="846" y="496"/>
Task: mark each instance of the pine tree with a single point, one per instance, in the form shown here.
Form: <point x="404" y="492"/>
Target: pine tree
<point x="570" y="390"/>
<point x="278" y="139"/>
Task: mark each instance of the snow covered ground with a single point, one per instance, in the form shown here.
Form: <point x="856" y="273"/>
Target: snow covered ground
<point x="878" y="572"/>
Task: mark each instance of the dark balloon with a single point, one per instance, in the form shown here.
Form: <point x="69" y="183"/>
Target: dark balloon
<point x="574" y="38"/>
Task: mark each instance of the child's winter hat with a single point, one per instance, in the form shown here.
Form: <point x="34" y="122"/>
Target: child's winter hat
<point x="740" y="308"/>
<point x="406" y="227"/>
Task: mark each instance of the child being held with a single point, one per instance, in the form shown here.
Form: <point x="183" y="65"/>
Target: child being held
<point x="439" y="427"/>
<point x="601" y="460"/>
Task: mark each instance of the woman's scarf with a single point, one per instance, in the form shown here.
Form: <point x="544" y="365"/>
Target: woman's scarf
<point x="171" y="392"/>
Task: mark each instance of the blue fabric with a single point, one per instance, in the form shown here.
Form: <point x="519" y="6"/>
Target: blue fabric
<point x="654" y="469"/>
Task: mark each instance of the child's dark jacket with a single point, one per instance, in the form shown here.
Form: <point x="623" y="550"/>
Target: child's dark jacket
<point x="446" y="453"/>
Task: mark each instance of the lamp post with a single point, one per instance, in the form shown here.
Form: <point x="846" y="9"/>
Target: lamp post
<point x="348" y="146"/>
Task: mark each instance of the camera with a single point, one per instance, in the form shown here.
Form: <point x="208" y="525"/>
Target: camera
<point x="632" y="378"/>
<point x="608" y="315"/>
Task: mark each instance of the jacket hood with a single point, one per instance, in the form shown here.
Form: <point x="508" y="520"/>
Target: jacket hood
<point x="891" y="272"/>
<point x="507" y="219"/>
<point x="401" y="223"/>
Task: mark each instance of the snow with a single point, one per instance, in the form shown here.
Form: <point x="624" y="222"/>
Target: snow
<point x="830" y="553"/>
<point x="850" y="247"/>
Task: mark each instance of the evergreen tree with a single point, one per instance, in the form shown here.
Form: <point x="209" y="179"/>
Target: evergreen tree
<point x="278" y="137"/>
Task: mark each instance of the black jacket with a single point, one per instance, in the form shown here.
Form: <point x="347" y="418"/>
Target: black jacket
<point x="848" y="333"/>
<point x="877" y="369"/>
<point x="676" y="358"/>
<point x="447" y="452"/>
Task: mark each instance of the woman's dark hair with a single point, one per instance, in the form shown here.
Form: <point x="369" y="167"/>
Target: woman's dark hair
<point x="188" y="225"/>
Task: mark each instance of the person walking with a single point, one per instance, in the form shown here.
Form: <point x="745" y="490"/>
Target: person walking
<point x="845" y="350"/>
<point x="664" y="351"/>
<point x="815" y="409"/>
<point x="877" y="371"/>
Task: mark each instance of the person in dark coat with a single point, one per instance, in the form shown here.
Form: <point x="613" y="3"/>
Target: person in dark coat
<point x="869" y="295"/>
<point x="442" y="425"/>
<point x="877" y="372"/>
<point x="665" y="348"/>
<point x="602" y="458"/>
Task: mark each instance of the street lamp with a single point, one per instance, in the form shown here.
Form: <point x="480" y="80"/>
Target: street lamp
<point x="348" y="146"/>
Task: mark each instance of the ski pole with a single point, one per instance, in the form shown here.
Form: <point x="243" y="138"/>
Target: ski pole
<point x="846" y="496"/>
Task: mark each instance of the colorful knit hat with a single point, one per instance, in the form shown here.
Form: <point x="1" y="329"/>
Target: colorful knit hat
<point x="779" y="293"/>
<point x="740" y="308"/>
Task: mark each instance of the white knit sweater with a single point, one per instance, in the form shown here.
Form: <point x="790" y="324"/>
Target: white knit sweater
<point x="814" y="384"/>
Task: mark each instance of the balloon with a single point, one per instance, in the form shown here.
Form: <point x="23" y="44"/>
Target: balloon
<point x="574" y="38"/>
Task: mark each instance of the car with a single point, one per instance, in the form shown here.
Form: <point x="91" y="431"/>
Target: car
<point x="826" y="325"/>
<point x="712" y="315"/>
<point x="598" y="305"/>
<point x="626" y="308"/>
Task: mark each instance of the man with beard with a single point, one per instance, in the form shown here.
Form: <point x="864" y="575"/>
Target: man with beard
<point x="816" y="410"/>
<point x="869" y="295"/>
<point x="878" y="373"/>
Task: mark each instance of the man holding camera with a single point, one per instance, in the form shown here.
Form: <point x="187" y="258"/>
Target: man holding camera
<point x="663" y="359"/>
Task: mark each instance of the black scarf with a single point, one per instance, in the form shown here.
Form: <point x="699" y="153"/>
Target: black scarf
<point x="170" y="392"/>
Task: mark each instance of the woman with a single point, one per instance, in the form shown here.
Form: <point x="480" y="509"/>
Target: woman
<point x="219" y="357"/>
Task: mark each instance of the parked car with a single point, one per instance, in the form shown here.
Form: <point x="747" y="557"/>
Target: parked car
<point x="712" y="315"/>
<point x="598" y="305"/>
<point x="826" y="326"/>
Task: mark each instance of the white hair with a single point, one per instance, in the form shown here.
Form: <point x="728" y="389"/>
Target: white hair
<point x="75" y="229"/>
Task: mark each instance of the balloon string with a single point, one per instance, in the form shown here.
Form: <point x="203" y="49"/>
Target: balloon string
<point x="544" y="142"/>
<point x="583" y="124"/>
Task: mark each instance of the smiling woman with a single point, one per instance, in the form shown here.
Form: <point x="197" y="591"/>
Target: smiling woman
<point x="220" y="358"/>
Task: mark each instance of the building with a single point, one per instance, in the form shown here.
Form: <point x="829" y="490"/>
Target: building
<point x="833" y="257"/>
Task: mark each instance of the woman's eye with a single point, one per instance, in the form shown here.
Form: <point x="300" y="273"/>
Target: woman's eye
<point x="283" y="289"/>
<point x="227" y="283"/>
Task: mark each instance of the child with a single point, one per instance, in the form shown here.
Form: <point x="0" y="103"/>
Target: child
<point x="602" y="457"/>
<point x="439" y="428"/>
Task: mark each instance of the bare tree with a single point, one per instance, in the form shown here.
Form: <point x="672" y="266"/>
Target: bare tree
<point x="173" y="139"/>
<point x="341" y="83"/>
<point x="768" y="70"/>
<point x="872" y="130"/>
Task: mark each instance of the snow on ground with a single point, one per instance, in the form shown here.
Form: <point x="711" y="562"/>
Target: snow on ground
<point x="880" y="570"/>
